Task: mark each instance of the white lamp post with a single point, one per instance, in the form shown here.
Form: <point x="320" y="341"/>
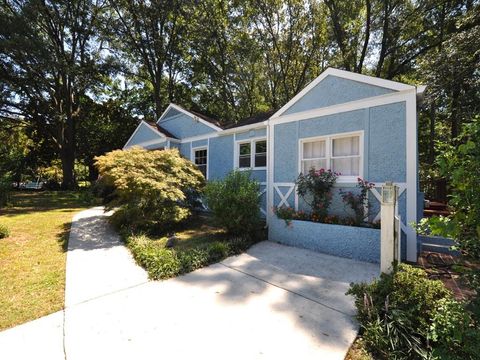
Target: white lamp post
<point x="387" y="232"/>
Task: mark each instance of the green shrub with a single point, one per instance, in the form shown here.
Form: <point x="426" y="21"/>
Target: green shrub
<point x="458" y="164"/>
<point x="162" y="263"/>
<point x="405" y="315"/>
<point x="151" y="187"/>
<point x="235" y="202"/>
<point x="4" y="232"/>
<point x="217" y="251"/>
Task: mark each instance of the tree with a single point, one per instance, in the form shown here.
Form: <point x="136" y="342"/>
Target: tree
<point x="150" y="39"/>
<point x="50" y="59"/>
<point x="103" y="127"/>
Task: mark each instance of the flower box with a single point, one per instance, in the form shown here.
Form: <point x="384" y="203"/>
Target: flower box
<point x="358" y="243"/>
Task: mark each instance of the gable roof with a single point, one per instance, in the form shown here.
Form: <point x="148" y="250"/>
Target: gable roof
<point x="258" y="118"/>
<point x="194" y="115"/>
<point x="161" y="129"/>
<point x="148" y="126"/>
<point x="370" y="80"/>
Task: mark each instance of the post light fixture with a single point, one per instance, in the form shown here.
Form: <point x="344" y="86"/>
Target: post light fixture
<point x="389" y="193"/>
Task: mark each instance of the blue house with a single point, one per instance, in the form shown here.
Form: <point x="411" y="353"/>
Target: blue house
<point x="357" y="125"/>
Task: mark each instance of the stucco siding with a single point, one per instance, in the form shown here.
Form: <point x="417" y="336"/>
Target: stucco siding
<point x="334" y="90"/>
<point x="185" y="149"/>
<point x="199" y="143"/>
<point x="155" y="146"/>
<point x="220" y="156"/>
<point x="387" y="158"/>
<point x="183" y="126"/>
<point x="142" y="135"/>
<point x="345" y="241"/>
<point x="285" y="168"/>
<point x="384" y="150"/>
<point x="259" y="175"/>
<point x="251" y="134"/>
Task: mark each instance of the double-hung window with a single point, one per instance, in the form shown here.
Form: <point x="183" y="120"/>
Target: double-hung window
<point x="340" y="153"/>
<point x="201" y="159"/>
<point x="252" y="154"/>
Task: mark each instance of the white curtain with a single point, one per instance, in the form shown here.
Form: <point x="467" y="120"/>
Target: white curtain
<point x="346" y="146"/>
<point x="346" y="153"/>
<point x="314" y="150"/>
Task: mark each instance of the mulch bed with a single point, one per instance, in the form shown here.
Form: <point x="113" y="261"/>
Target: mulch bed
<point x="448" y="269"/>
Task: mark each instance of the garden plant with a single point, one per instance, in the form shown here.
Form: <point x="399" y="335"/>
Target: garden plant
<point x="150" y="187"/>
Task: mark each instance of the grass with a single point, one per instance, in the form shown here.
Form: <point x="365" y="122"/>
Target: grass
<point x="357" y="351"/>
<point x="198" y="231"/>
<point x="198" y="243"/>
<point x="32" y="258"/>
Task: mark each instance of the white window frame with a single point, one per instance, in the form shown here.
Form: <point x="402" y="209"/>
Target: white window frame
<point x="252" y="142"/>
<point x="198" y="148"/>
<point x="328" y="153"/>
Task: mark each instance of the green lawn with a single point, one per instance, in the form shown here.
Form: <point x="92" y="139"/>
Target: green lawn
<point x="32" y="258"/>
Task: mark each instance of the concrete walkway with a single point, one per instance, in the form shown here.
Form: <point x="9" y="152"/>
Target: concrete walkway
<point x="273" y="302"/>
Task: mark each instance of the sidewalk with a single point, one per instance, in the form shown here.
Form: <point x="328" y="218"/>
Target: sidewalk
<point x="272" y="302"/>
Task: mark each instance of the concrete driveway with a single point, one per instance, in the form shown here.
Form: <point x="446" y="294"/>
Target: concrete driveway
<point x="273" y="302"/>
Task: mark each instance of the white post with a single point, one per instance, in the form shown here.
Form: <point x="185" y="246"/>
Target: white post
<point x="387" y="232"/>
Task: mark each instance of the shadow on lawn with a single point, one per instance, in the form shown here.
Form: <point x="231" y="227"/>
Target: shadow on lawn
<point x="25" y="202"/>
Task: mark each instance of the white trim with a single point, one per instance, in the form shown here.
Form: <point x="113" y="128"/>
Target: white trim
<point x="234" y="130"/>
<point x="150" y="142"/>
<point x="143" y="123"/>
<point x="411" y="149"/>
<point x="188" y="113"/>
<point x="392" y="85"/>
<point x="342" y="179"/>
<point x="345" y="107"/>
<point x="196" y="148"/>
<point x="236" y="153"/>
<point x="264" y="212"/>
<point x="198" y="137"/>
<point x="270" y="169"/>
<point x="401" y="189"/>
<point x="284" y="197"/>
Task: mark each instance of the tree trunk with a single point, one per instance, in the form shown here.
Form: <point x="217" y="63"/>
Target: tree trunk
<point x="92" y="173"/>
<point x="431" y="144"/>
<point x="67" y="156"/>
<point x="67" y="151"/>
<point x="454" y="117"/>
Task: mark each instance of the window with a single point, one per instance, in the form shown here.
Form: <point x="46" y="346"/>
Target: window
<point x="252" y="154"/>
<point x="261" y="153"/>
<point x="346" y="156"/>
<point x="314" y="155"/>
<point x="200" y="160"/>
<point x="338" y="153"/>
<point x="244" y="159"/>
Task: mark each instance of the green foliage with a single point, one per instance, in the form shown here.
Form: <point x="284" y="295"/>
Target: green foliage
<point x="404" y="315"/>
<point x="315" y="188"/>
<point x="150" y="187"/>
<point x="358" y="202"/>
<point x="4" y="232"/>
<point x="458" y="164"/>
<point x="162" y="263"/>
<point x="235" y="202"/>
